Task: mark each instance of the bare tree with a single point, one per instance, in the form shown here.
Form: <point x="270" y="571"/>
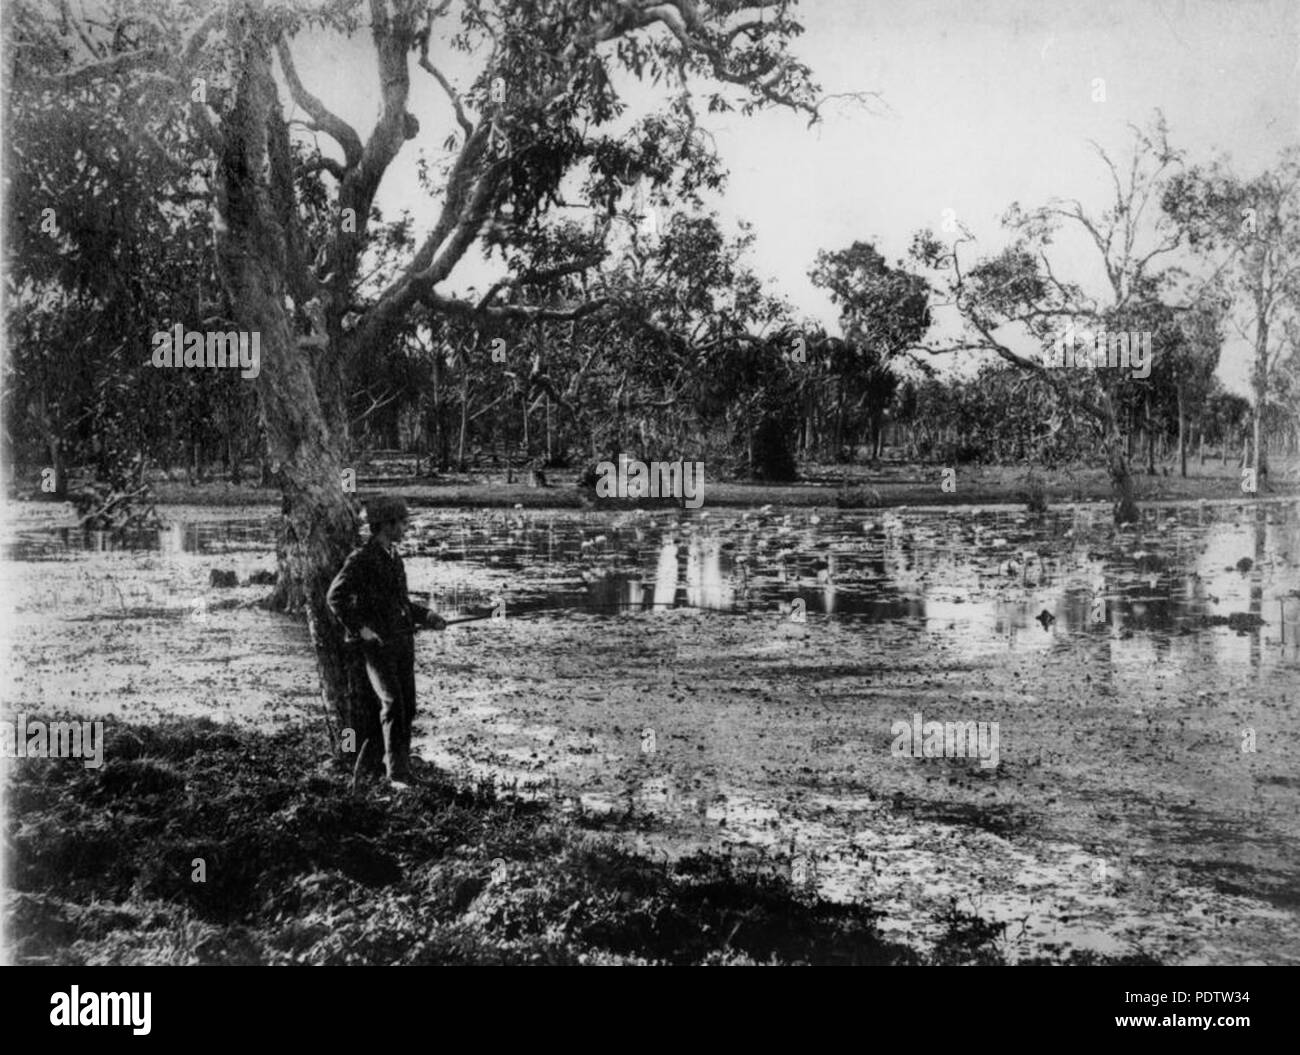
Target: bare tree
<point x="1020" y="292"/>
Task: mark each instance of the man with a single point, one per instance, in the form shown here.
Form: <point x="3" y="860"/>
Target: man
<point x="368" y="596"/>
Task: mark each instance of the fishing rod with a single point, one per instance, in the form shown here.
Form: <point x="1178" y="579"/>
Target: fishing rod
<point x="516" y="613"/>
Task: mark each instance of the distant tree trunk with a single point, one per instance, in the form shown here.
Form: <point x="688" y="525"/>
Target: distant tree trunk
<point x="1118" y="461"/>
<point x="55" y="448"/>
<point x="1182" y="435"/>
<point x="1260" y="465"/>
<point x="1259" y="459"/>
<point x="1150" y="437"/>
<point x="1126" y="509"/>
<point x="39" y="412"/>
<point x="464" y="416"/>
<point x="439" y="413"/>
<point x="839" y="421"/>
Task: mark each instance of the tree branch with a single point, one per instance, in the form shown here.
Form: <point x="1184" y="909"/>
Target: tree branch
<point x="326" y="121"/>
<point x="535" y="278"/>
<point x="514" y="312"/>
<point x="461" y="117"/>
<point x="326" y="164"/>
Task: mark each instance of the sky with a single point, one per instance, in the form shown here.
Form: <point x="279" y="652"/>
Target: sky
<point x="982" y="104"/>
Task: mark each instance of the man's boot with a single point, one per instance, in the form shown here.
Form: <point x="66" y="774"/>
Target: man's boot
<point x="397" y="759"/>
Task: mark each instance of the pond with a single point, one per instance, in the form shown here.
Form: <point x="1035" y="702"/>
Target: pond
<point x="734" y="680"/>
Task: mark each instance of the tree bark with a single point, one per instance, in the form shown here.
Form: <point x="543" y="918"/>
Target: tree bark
<point x="306" y="439"/>
<point x="1121" y="478"/>
<point x="1119" y="458"/>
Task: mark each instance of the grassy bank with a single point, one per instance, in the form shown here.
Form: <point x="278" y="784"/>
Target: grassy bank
<point x="302" y="869"/>
<point x="885" y="484"/>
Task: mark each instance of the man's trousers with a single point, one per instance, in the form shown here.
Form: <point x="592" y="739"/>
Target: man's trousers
<point x="390" y="668"/>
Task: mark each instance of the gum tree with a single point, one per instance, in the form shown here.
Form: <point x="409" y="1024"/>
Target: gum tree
<point x="1249" y="229"/>
<point x="538" y="108"/>
<point x="1019" y="292"/>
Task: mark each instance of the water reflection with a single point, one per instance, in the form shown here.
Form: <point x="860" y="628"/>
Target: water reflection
<point x="224" y="535"/>
<point x="986" y="579"/>
<point x="665" y="578"/>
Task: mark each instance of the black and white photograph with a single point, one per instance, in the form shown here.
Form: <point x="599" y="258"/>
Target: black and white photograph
<point x="651" y="482"/>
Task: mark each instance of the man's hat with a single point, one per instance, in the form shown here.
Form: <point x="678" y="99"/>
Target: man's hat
<point x="384" y="509"/>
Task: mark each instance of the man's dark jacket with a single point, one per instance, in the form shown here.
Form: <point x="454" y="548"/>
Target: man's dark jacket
<point x="370" y="590"/>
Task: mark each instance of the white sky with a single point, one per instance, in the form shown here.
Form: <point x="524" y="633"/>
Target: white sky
<point x="988" y="103"/>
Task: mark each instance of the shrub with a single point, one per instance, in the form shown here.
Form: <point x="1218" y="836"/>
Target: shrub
<point x="1035" y="493"/>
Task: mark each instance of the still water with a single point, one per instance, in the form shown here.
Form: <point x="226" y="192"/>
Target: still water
<point x="1003" y="578"/>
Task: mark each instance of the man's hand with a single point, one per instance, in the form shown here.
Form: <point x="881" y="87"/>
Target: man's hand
<point x="369" y="635"/>
<point x="435" y="621"/>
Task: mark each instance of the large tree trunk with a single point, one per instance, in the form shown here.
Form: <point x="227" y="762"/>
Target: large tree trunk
<point x="305" y="438"/>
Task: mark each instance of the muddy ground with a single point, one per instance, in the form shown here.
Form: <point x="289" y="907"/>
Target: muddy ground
<point x="1123" y="815"/>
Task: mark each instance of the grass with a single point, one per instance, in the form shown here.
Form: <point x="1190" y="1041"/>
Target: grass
<point x="103" y="867"/>
<point x="298" y="869"/>
<point x="889" y="483"/>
